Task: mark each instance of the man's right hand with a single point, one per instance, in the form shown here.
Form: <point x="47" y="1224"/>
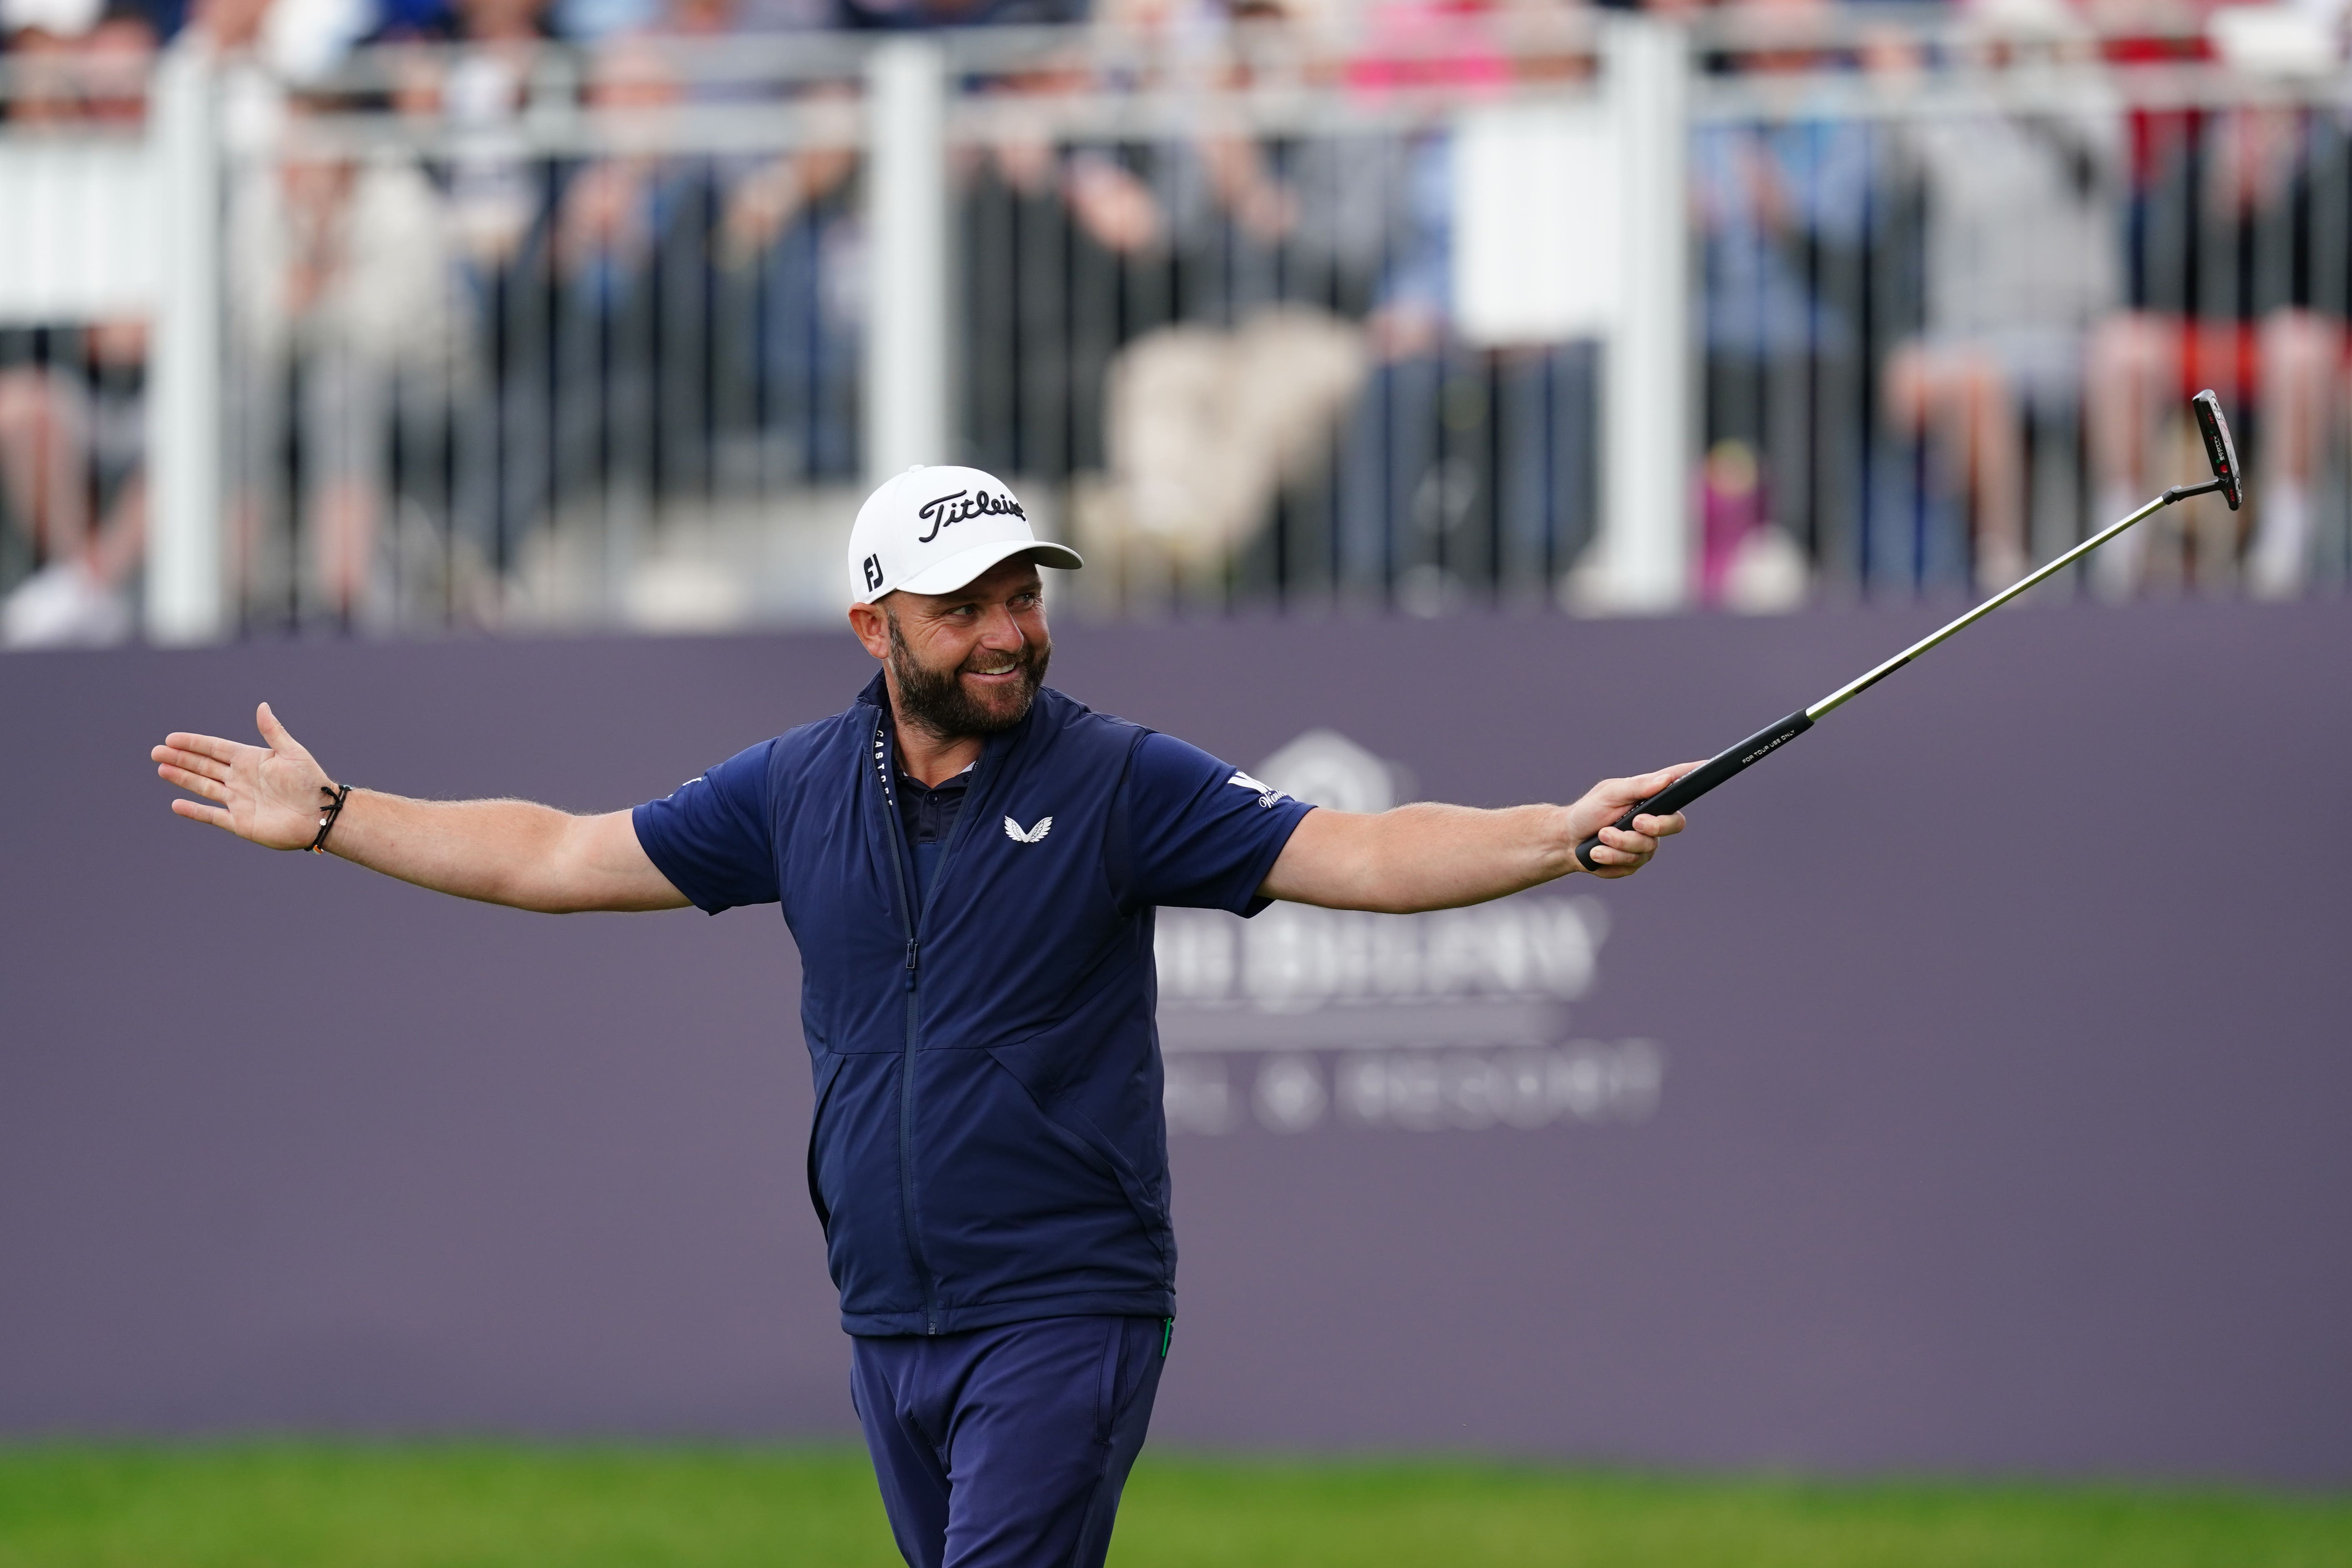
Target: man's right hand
<point x="498" y="851"/>
<point x="272" y="794"/>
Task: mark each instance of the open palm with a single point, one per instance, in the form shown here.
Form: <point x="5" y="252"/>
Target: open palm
<point x="269" y="793"/>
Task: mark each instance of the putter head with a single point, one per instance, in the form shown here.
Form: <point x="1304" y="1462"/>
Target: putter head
<point x="2219" y="449"/>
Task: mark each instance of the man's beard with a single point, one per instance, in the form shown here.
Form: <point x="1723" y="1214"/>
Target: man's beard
<point x="935" y="701"/>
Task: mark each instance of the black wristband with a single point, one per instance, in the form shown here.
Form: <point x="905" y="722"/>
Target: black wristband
<point x="334" y="808"/>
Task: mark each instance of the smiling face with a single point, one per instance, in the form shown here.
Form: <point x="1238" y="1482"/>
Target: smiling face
<point x="964" y="664"/>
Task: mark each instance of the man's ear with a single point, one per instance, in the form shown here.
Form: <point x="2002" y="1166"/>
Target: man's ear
<point x="872" y="625"/>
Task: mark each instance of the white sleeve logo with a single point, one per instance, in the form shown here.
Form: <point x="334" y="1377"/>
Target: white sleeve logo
<point x="1268" y="796"/>
<point x="1036" y="835"/>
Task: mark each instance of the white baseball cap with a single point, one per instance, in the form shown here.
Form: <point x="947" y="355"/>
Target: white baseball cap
<point x="931" y="530"/>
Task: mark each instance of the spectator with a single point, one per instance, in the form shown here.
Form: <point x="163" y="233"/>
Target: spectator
<point x="2020" y="259"/>
<point x="1207" y="426"/>
<point x="304" y="41"/>
<point x="1784" y="207"/>
<point x="494" y="197"/>
<point x="899" y="16"/>
<point x="632" y="249"/>
<point x="788" y="250"/>
<point x="2227" y="296"/>
<point x="790" y="240"/>
<point x="116" y="57"/>
<point x="1291" y="265"/>
<point x="73" y="479"/>
<point x="499" y="200"/>
<point x="44" y="46"/>
<point x="1068" y="255"/>
<point x="73" y="399"/>
<point x="345" y="325"/>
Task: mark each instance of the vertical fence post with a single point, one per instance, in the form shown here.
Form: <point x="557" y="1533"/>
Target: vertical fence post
<point x="1645" y="520"/>
<point x="907" y="358"/>
<point x="187" y="585"/>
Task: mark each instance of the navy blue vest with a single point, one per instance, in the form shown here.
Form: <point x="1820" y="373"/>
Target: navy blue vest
<point x="989" y="1143"/>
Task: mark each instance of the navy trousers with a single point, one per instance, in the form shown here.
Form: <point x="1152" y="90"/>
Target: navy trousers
<point x="1007" y="1448"/>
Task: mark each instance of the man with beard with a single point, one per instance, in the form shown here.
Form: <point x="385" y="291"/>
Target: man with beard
<point x="968" y="862"/>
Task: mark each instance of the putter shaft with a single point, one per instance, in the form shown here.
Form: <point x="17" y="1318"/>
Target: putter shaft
<point x="1772" y="738"/>
<point x="1855" y="687"/>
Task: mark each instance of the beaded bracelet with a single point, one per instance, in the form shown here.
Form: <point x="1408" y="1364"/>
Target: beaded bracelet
<point x="334" y="809"/>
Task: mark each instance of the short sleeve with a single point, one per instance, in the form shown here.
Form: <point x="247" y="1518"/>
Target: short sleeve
<point x="1200" y="834"/>
<point x="713" y="837"/>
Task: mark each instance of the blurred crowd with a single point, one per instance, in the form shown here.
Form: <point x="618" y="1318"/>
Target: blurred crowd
<point x="1934" y="344"/>
<point x="2060" y="265"/>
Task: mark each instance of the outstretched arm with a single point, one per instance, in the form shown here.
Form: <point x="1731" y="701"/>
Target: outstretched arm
<point x="498" y="851"/>
<point x="1431" y="857"/>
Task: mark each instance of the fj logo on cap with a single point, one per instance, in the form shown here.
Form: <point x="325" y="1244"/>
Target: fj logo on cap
<point x="873" y="572"/>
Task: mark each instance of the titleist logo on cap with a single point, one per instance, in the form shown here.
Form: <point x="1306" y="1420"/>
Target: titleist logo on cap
<point x="900" y="539"/>
<point x="961" y="505"/>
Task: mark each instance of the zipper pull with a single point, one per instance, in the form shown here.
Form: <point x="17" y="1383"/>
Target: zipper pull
<point x="910" y="963"/>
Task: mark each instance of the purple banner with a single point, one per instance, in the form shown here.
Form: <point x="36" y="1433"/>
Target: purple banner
<point x="1966" y="1090"/>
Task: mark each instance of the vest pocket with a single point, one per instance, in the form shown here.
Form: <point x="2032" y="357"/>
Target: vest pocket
<point x="853" y="1182"/>
<point x="828" y="1071"/>
<point x="1088" y="1141"/>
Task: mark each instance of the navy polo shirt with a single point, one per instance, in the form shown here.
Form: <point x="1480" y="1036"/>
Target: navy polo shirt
<point x="929" y="813"/>
<point x="1195" y="840"/>
<point x="987" y="1144"/>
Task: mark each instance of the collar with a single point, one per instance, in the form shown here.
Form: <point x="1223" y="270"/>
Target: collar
<point x="955" y="781"/>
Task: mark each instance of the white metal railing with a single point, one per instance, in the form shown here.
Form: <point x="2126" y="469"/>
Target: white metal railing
<point x="187" y="591"/>
<point x="1604" y="312"/>
<point x="908" y="396"/>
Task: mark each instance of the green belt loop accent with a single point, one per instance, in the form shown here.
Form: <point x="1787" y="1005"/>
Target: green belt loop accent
<point x="1167" y="1338"/>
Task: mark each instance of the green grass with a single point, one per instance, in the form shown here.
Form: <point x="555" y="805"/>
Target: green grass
<point x="311" y="1506"/>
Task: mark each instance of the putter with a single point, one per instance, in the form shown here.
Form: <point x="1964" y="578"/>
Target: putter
<point x="2219" y="449"/>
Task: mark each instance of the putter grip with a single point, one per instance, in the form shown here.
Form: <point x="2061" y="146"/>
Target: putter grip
<point x="1704" y="777"/>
